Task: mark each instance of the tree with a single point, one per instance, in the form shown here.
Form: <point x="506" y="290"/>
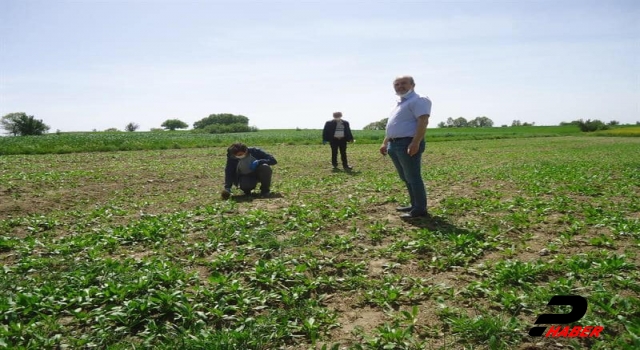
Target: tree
<point x="516" y="123"/>
<point x="592" y="125"/>
<point x="379" y="125"/>
<point x="460" y="122"/>
<point x="10" y="123"/>
<point x="223" y="123"/>
<point x="574" y="122"/>
<point x="221" y="119"/>
<point x="481" y="122"/>
<point x="131" y="127"/>
<point x="21" y="124"/>
<point x="172" y="124"/>
<point x="442" y="125"/>
<point x="485" y="122"/>
<point x="449" y="122"/>
<point x="457" y="123"/>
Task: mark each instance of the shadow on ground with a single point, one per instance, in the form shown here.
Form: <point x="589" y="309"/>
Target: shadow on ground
<point x="435" y="223"/>
<point x="348" y="172"/>
<point x="250" y="198"/>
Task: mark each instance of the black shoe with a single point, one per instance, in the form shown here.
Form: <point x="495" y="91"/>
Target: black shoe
<point x="265" y="193"/>
<point x="412" y="215"/>
<point x="347" y="167"/>
<point x="335" y="167"/>
<point x="404" y="209"/>
<point x="247" y="193"/>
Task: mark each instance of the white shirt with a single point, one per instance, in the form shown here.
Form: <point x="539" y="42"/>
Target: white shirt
<point x="403" y="119"/>
<point x="339" y="129"/>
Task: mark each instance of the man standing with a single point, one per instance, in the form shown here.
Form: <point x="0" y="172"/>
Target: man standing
<point x="246" y="166"/>
<point x="337" y="132"/>
<point x="404" y="142"/>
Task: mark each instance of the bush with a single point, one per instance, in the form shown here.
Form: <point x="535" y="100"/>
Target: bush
<point x="379" y="125"/>
<point x="221" y="119"/>
<point x="228" y="128"/>
<point x="573" y="122"/>
<point x="592" y="125"/>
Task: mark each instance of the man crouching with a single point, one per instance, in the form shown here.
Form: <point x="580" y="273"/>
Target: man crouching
<point x="246" y="166"/>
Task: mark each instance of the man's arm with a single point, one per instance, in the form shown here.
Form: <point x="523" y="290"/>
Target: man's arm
<point x="421" y="129"/>
<point x="383" y="147"/>
<point x="348" y="135"/>
<point x="263" y="156"/>
<point x="326" y="132"/>
<point x="229" y="173"/>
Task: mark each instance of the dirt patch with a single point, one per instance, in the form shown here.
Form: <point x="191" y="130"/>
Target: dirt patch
<point x="355" y="320"/>
<point x="377" y="267"/>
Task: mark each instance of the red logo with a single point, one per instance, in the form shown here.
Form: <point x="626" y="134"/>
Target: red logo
<point x="579" y="308"/>
<point x="576" y="331"/>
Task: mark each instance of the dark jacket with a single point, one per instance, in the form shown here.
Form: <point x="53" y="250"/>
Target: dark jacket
<point x="330" y="129"/>
<point x="231" y="169"/>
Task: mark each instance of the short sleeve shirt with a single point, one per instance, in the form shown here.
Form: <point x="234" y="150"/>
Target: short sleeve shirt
<point x="403" y="119"/>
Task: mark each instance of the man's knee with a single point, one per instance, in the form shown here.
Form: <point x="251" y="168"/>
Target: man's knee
<point x="264" y="169"/>
<point x="414" y="180"/>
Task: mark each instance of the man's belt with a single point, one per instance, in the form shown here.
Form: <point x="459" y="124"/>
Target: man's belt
<point x="394" y="139"/>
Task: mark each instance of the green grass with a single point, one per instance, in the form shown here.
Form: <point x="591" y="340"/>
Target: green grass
<point x="125" y="250"/>
<point x="62" y="143"/>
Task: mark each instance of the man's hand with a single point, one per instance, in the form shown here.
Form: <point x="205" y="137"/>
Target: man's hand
<point x="225" y="193"/>
<point x="413" y="148"/>
<point x="383" y="149"/>
<point x="255" y="164"/>
<point x="421" y="129"/>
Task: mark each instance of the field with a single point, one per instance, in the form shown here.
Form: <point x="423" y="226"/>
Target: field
<point x="59" y="143"/>
<point x="134" y="249"/>
<point x="626" y="131"/>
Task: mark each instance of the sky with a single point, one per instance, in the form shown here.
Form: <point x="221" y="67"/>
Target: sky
<point x="88" y="65"/>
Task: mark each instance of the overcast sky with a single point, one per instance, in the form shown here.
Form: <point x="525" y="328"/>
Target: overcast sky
<point x="87" y="64"/>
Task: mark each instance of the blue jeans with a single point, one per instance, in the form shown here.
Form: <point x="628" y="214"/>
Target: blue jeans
<point x="409" y="170"/>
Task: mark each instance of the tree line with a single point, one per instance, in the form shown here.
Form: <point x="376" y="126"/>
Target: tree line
<point x="485" y="122"/>
<point x="21" y="124"/>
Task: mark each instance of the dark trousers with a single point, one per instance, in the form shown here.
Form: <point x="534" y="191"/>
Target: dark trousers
<point x="262" y="174"/>
<point x="339" y="144"/>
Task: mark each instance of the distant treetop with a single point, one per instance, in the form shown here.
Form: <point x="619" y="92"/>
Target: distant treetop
<point x="21" y="124"/>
